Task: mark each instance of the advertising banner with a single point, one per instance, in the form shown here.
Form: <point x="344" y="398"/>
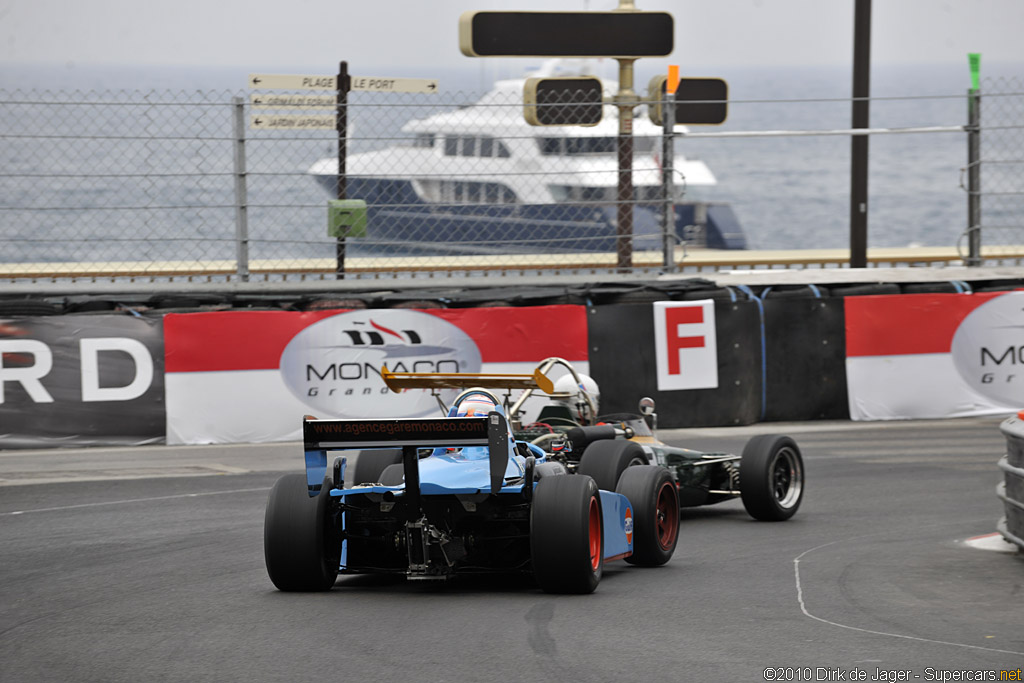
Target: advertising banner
<point x="685" y="345"/>
<point x="250" y="376"/>
<point x="81" y="380"/>
<point x="631" y="352"/>
<point x="934" y="355"/>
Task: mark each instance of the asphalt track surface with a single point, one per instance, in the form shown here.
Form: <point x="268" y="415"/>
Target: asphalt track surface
<point x="147" y="565"/>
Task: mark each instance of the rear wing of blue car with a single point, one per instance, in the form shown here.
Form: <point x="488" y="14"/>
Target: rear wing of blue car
<point x="409" y="434"/>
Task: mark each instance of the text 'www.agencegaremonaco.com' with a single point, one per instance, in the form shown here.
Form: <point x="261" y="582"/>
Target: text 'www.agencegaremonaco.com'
<point x="822" y="673"/>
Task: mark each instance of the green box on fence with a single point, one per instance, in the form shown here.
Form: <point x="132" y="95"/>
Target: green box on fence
<point x="346" y="218"/>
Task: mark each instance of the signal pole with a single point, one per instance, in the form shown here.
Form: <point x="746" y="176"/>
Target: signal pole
<point x="859" y="143"/>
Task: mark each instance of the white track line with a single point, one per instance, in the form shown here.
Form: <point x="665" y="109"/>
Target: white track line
<point x="803" y="608"/>
<point x="130" y="500"/>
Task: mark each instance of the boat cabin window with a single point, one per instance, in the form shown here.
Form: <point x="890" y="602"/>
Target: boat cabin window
<point x="482" y="146"/>
<point x="583" y="146"/>
<point x="423" y="140"/>
<point x="465" y="192"/>
<point x="577" y="193"/>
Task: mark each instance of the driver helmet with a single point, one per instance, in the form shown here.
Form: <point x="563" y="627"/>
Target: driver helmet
<point x="474" y="405"/>
<point x="576" y="402"/>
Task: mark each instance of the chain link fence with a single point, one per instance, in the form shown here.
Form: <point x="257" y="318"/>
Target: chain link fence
<point x="235" y="185"/>
<point x="1001" y="164"/>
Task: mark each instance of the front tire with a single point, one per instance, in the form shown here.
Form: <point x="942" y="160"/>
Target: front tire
<point x="604" y="461"/>
<point x="771" y="477"/>
<point x="301" y="545"/>
<point x="567" y="534"/>
<point x="655" y="501"/>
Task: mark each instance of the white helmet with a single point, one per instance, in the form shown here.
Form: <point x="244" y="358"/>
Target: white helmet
<point x="475" y="405"/>
<point x="583" y="399"/>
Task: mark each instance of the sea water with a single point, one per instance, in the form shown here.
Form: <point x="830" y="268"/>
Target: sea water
<point x="788" y="192"/>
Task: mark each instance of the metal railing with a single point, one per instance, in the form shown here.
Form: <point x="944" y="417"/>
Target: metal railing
<point x="178" y="185"/>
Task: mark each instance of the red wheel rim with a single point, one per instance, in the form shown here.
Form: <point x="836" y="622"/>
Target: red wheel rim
<point x="666" y="514"/>
<point x="595" y="534"/>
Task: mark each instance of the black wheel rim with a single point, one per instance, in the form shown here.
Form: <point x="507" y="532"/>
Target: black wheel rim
<point x="786" y="477"/>
<point x="667" y="516"/>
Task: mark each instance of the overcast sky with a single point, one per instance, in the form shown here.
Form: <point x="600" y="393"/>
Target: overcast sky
<point x="267" y="35"/>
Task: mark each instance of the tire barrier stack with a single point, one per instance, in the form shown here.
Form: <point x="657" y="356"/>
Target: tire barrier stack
<point x="1011" y="489"/>
<point x="781" y="349"/>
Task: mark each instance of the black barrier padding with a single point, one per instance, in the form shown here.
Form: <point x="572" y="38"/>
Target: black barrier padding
<point x="515" y="296"/>
<point x="473" y="297"/>
<point x="69" y="405"/>
<point x="805" y="359"/>
<point x="615" y="293"/>
<point x="191" y="300"/>
<point x="622" y="362"/>
<point x="327" y="303"/>
<point x="643" y="292"/>
<point x="716" y="293"/>
<point x="414" y="298"/>
<point x="865" y="289"/>
<point x="998" y="286"/>
<point x="931" y="288"/>
<point x="27" y="306"/>
<point x="794" y="292"/>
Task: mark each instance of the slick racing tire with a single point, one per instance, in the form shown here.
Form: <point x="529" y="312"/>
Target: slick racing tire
<point x="393" y="475"/>
<point x="771" y="477"/>
<point x="301" y="544"/>
<point x="371" y="464"/>
<point x="567" y="534"/>
<point x="604" y="461"/>
<point x="655" y="502"/>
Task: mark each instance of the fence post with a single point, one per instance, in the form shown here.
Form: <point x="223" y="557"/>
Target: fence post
<point x="973" y="177"/>
<point x="668" y="121"/>
<point x="241" y="193"/>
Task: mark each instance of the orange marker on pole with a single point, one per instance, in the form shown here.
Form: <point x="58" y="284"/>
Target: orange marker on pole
<point x="673" y="79"/>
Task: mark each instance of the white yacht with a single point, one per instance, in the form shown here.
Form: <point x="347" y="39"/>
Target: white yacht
<point x="479" y="179"/>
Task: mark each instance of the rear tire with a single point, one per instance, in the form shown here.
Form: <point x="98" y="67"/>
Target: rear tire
<point x="301" y="545"/>
<point x="567" y="534"/>
<point x="371" y="464"/>
<point x="771" y="477"/>
<point x="655" y="501"/>
<point x="604" y="461"/>
<point x="393" y="475"/>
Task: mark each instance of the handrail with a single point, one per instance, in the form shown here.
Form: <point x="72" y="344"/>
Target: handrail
<point x="693" y="260"/>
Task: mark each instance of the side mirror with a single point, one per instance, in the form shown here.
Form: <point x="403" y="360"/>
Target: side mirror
<point x="647" y="406"/>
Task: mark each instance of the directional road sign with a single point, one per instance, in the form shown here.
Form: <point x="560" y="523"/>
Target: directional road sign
<point x="360" y="83"/>
<point x="272" y="101"/>
<point x="292" y="82"/>
<point x="566" y="34"/>
<point x="293" y="121"/>
<point x="372" y="84"/>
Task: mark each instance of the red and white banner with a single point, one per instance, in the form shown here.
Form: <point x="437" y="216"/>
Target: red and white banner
<point x="240" y="376"/>
<point x="685" y="345"/>
<point x="934" y="355"/>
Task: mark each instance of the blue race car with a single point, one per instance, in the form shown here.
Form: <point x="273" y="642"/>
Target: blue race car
<point x="434" y="498"/>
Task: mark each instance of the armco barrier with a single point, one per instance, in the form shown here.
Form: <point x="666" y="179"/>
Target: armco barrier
<point x="1011" y="489"/>
<point x="622" y="361"/>
<point x="805" y="355"/>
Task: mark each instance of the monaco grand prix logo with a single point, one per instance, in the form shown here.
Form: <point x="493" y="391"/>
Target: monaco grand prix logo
<point x="988" y="349"/>
<point x="334" y="365"/>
